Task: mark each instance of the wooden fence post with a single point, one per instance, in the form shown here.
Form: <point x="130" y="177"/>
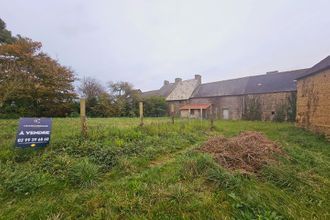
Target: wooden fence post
<point x="172" y="113"/>
<point x="83" y="117"/>
<point x="212" y="117"/>
<point x="141" y="113"/>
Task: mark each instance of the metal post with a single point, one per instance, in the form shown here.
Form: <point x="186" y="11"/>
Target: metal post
<point x="201" y="114"/>
<point x="83" y="117"/>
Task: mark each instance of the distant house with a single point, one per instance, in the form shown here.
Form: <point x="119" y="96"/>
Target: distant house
<point x="230" y="97"/>
<point x="313" y="98"/>
<point x="273" y="94"/>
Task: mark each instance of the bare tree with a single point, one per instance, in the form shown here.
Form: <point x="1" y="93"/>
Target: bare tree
<point x="90" y="88"/>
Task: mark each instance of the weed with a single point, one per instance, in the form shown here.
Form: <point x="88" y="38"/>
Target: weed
<point x="83" y="173"/>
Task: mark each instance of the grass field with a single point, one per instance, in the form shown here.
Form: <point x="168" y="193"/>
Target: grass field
<point x="125" y="171"/>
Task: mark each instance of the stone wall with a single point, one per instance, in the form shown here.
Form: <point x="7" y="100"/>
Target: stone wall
<point x="235" y="104"/>
<point x="194" y="113"/>
<point x="313" y="102"/>
<point x="177" y="105"/>
<point x="270" y="102"/>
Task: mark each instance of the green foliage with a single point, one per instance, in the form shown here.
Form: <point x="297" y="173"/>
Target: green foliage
<point x="287" y="111"/>
<point x="244" y="210"/>
<point x="252" y="108"/>
<point x="154" y="106"/>
<point x="21" y="180"/>
<point x="5" y="35"/>
<point x="292" y="108"/>
<point x="223" y="179"/>
<point x="280" y="113"/>
<point x="125" y="171"/>
<point x="83" y="173"/>
<point x="125" y="99"/>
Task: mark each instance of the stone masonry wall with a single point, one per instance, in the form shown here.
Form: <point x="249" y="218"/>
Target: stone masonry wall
<point x="313" y="102"/>
<point x="235" y="104"/>
<point x="270" y="102"/>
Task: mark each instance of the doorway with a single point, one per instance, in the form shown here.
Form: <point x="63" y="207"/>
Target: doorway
<point x="225" y="113"/>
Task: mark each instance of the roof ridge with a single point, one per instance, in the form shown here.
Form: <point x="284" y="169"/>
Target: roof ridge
<point x="265" y="74"/>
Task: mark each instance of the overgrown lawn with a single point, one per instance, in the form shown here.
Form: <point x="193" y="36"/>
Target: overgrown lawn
<point x="125" y="171"/>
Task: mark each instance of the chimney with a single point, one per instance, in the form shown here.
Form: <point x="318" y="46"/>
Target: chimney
<point x="177" y="80"/>
<point x="271" y="72"/>
<point x="166" y="82"/>
<point x="199" y="78"/>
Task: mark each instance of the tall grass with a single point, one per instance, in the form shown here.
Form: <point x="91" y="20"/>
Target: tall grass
<point x="125" y="171"/>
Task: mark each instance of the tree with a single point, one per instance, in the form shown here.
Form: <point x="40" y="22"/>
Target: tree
<point x="104" y="106"/>
<point x="5" y="35"/>
<point x="98" y="101"/>
<point x="125" y="98"/>
<point x="90" y="88"/>
<point x="155" y="106"/>
<point x="32" y="83"/>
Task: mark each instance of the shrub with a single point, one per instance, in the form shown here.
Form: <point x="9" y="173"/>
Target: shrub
<point x="84" y="173"/>
<point x="56" y="165"/>
<point x="155" y="106"/>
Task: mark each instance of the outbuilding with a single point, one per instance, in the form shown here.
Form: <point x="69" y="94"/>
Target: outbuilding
<point x="313" y="98"/>
<point x="195" y="110"/>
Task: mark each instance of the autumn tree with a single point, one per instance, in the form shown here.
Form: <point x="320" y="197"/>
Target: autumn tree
<point x="32" y="83"/>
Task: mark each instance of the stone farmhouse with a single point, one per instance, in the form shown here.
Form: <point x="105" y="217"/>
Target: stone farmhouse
<point x="274" y="93"/>
<point x="228" y="97"/>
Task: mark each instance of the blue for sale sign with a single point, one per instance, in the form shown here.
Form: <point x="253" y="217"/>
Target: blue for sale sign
<point x="33" y="132"/>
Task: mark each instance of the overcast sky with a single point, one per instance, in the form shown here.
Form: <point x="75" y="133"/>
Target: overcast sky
<point x="146" y="42"/>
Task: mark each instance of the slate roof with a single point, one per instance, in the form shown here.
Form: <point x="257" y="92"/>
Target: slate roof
<point x="322" y="65"/>
<point x="267" y="83"/>
<point x="274" y="82"/>
<point x="164" y="91"/>
<point x="221" y="88"/>
<point x="183" y="90"/>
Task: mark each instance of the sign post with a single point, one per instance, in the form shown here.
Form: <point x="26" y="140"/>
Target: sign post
<point x="33" y="132"/>
<point x="141" y="113"/>
<point x="83" y="117"/>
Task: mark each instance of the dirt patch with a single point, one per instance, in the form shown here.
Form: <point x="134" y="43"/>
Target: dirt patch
<point x="247" y="152"/>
